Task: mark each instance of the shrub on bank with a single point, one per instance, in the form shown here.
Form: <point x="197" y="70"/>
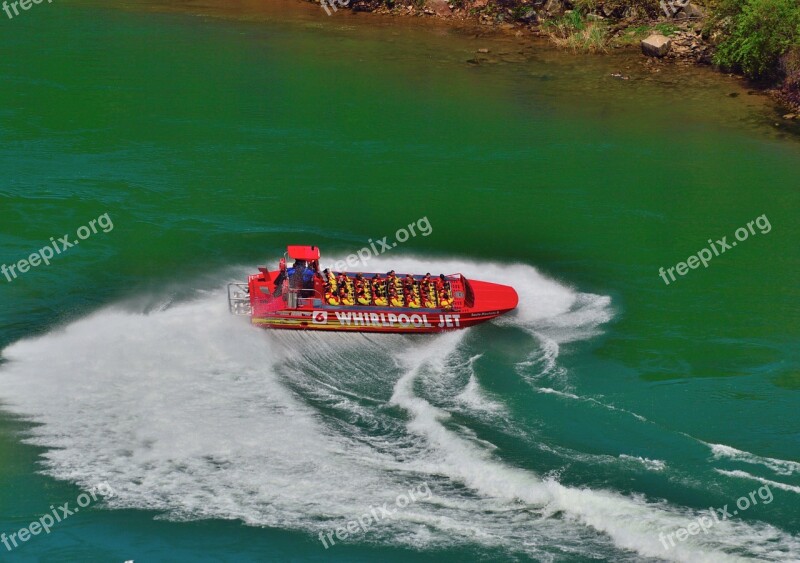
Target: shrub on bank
<point x="790" y="68"/>
<point x="575" y="32"/>
<point x="757" y="33"/>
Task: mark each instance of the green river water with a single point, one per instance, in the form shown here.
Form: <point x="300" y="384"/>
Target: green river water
<point x="608" y="412"/>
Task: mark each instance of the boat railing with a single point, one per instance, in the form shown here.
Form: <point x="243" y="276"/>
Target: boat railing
<point x="239" y="299"/>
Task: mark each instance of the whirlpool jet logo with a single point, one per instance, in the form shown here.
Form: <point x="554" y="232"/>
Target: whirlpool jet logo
<point x="319" y="317"/>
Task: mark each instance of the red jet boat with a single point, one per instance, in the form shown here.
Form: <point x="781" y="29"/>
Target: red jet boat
<point x="300" y="297"/>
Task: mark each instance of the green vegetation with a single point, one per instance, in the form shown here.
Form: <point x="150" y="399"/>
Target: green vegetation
<point x="666" y="29"/>
<point x="757" y="33"/>
<point x="575" y="32"/>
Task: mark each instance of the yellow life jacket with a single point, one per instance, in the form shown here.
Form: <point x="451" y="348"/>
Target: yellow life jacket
<point x="430" y="297"/>
<point x="332" y="282"/>
<point x="397" y="301"/>
<point x="415" y="300"/>
<point x="365" y="297"/>
<point x="349" y="298"/>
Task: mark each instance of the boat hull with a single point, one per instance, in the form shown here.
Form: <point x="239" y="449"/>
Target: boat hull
<point x="373" y="321"/>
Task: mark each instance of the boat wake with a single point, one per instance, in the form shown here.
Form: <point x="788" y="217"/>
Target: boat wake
<point x="188" y="411"/>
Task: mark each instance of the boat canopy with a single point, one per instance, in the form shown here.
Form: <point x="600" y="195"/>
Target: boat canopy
<point x="307" y="253"/>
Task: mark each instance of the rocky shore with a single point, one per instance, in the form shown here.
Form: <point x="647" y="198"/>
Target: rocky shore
<point x="676" y="32"/>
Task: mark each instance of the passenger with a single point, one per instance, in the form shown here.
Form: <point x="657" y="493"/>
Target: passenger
<point x="345" y="297"/>
<point x="331" y="294"/>
<point x="444" y="293"/>
<point x="408" y="283"/>
<point x="425" y="283"/>
<point x="395" y="299"/>
<point x="331" y="280"/>
<point x="341" y="279"/>
<point x="351" y="291"/>
<point x="428" y="292"/>
<point x="363" y="290"/>
<point x="379" y="291"/>
<point x="392" y="279"/>
<point x="413" y="298"/>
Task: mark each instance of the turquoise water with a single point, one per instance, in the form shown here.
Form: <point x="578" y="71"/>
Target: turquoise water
<point x="608" y="411"/>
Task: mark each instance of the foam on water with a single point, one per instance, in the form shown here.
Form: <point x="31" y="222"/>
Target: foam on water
<point x="745" y="475"/>
<point x="652" y="464"/>
<point x="779" y="466"/>
<point x="191" y="412"/>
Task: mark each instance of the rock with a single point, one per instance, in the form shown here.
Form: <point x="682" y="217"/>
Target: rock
<point x="528" y="16"/>
<point x="483" y="50"/>
<point x="554" y="7"/>
<point x="608" y="10"/>
<point x="693" y="11"/>
<point x="790" y="116"/>
<point x="438" y="7"/>
<point x="656" y="45"/>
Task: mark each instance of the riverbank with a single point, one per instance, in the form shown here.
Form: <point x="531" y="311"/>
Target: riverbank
<point x="682" y="33"/>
